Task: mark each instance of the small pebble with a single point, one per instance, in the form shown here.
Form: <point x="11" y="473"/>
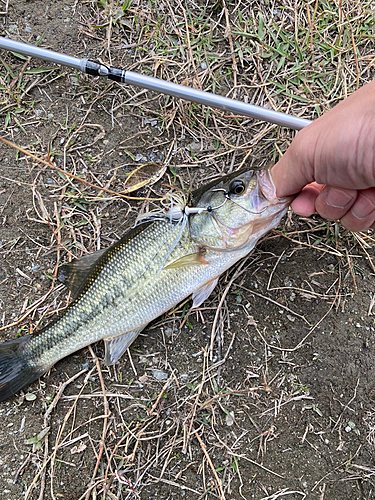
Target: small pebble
<point x="168" y="332"/>
<point x="160" y="375"/>
<point x="140" y="157"/>
<point x="229" y="418"/>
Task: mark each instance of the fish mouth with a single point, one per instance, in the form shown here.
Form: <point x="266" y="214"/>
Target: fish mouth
<point x="267" y="189"/>
<point x="267" y="209"/>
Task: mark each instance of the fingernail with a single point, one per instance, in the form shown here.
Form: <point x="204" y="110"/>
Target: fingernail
<point x="362" y="207"/>
<point x="337" y="199"/>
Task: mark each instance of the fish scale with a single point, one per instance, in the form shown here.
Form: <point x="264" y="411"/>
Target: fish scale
<point x="151" y="269"/>
<point x="112" y="301"/>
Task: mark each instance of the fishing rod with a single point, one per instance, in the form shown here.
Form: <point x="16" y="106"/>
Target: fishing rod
<point x="155" y="84"/>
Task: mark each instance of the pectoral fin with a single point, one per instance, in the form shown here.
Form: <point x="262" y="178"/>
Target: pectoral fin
<point x="188" y="260"/>
<point x="203" y="293"/>
<point x="74" y="273"/>
<point x="115" y="348"/>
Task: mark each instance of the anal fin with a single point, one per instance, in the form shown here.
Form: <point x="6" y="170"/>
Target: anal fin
<point x="203" y="293"/>
<point x="115" y="347"/>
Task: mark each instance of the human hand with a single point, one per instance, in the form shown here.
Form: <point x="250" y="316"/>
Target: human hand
<point x="331" y="164"/>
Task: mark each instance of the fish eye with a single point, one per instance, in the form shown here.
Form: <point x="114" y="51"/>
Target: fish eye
<point x="236" y="187"/>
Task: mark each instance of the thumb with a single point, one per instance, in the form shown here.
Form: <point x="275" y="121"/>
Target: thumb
<point x="295" y="169"/>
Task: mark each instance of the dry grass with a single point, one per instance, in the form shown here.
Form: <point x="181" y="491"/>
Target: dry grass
<point x="198" y="433"/>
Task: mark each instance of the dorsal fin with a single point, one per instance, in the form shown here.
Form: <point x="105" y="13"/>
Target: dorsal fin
<point x="73" y="274"/>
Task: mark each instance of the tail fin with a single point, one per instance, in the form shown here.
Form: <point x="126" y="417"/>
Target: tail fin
<point x="15" y="371"/>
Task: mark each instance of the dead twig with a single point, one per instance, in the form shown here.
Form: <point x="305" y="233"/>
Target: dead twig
<point x="217" y="479"/>
<point x="105" y="424"/>
<point x="72" y="176"/>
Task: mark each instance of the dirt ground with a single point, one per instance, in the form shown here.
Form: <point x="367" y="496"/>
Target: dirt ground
<point x="282" y="403"/>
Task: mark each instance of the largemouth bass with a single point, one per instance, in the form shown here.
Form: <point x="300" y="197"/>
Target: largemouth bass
<point x="177" y="252"/>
